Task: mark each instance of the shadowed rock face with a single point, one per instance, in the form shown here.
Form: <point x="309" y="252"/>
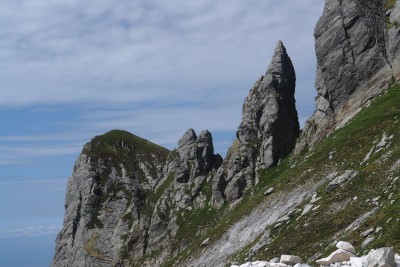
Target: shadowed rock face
<point x="352" y="64"/>
<point x="105" y="203"/>
<point x="267" y="133"/>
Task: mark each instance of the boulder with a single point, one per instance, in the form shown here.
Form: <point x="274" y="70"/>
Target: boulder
<point x="301" y="265"/>
<point x="341" y="179"/>
<point x="383" y="257"/>
<point x="339" y="255"/>
<point x="290" y="259"/>
<point x="269" y="191"/>
<point x="346" y="246"/>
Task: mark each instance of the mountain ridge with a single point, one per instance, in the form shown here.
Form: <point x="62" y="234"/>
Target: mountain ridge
<point x="133" y="203"/>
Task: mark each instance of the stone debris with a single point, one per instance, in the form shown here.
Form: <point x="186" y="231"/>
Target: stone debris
<point x="367" y="232"/>
<point x="290" y="259"/>
<point x="342" y="257"/>
<point x="338" y="255"/>
<point x="269" y="191"/>
<point x="346" y="246"/>
<point x="341" y="179"/>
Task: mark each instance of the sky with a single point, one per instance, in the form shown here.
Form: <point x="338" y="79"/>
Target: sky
<point x="71" y="70"/>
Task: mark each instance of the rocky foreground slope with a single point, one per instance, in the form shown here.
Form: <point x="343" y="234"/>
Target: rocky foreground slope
<point x="278" y="191"/>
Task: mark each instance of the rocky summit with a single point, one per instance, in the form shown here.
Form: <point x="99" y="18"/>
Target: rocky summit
<point x="281" y="196"/>
<point x="267" y="133"/>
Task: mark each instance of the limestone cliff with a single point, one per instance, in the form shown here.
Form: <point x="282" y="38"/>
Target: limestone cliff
<point x="357" y="51"/>
<point x="267" y="133"/>
<point x="132" y="203"/>
<point x="107" y="201"/>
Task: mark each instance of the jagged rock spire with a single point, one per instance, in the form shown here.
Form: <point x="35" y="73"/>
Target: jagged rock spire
<point x="268" y="130"/>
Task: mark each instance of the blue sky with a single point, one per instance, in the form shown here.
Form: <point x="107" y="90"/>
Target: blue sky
<point x="72" y="70"/>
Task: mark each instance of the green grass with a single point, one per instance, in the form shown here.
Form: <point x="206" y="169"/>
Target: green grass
<point x="112" y="149"/>
<point x="313" y="232"/>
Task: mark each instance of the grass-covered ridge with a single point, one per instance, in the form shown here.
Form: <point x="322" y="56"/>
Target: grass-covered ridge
<point x="113" y="142"/>
<point x="345" y="149"/>
<point x="118" y="147"/>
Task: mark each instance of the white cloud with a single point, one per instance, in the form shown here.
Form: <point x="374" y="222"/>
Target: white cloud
<point x="103" y="52"/>
<point x="30" y="231"/>
<point x="153" y="67"/>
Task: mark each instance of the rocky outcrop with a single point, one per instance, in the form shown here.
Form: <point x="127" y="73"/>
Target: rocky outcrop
<point x="194" y="164"/>
<point x="393" y="36"/>
<point x="353" y="65"/>
<point x="267" y="133"/>
<point x="106" y="205"/>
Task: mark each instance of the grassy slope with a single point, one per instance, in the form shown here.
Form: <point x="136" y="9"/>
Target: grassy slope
<point x="315" y="231"/>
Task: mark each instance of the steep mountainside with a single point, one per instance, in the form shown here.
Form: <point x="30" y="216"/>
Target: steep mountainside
<point x="357" y="48"/>
<point x="278" y="191"/>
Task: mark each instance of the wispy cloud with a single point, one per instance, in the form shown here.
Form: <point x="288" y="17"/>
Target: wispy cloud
<point x="130" y="52"/>
<point x="30" y="231"/>
<point x="155" y="68"/>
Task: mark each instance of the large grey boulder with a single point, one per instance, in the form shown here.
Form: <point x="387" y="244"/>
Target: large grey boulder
<point x="267" y="132"/>
<point x="338" y="255"/>
<point x="346" y="246"/>
<point x="352" y="64"/>
<point x="382" y="257"/>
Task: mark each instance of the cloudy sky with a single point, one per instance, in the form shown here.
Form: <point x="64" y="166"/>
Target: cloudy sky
<point x="72" y="70"/>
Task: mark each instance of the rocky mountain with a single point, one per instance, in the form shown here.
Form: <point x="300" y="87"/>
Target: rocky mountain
<point x="357" y="49"/>
<point x="279" y="190"/>
<point x="267" y="133"/>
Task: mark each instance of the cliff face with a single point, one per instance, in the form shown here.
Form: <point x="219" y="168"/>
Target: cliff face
<point x="107" y="204"/>
<point x="267" y="133"/>
<point x="132" y="203"/>
<point x="356" y="44"/>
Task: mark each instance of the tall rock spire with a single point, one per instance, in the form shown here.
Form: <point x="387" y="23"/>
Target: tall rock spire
<point x="268" y="130"/>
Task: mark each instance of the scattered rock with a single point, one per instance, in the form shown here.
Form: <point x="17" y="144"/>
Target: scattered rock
<point x="367" y="232"/>
<point x="307" y="209"/>
<point x="290" y="259"/>
<point x="367" y="241"/>
<point x="346" y="246"/>
<point x="339" y="255"/>
<point x="205" y="242"/>
<point x="274" y="260"/>
<point x="383" y="257"/>
<point x="301" y="265"/>
<point x="269" y="191"/>
<point x="341" y="179"/>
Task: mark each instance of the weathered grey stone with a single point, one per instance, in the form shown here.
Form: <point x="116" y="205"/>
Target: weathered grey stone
<point x="269" y="129"/>
<point x="269" y="191"/>
<point x="290" y="259"/>
<point x="341" y="179"/>
<point x="346" y="246"/>
<point x="367" y="232"/>
<point x="103" y="206"/>
<point x="352" y="64"/>
<point x="383" y="257"/>
<point x="339" y="255"/>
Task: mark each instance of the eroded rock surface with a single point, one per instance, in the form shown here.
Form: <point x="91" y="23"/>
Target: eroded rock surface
<point x="353" y="65"/>
<point x="267" y="133"/>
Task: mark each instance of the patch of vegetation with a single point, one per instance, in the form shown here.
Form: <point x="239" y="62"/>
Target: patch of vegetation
<point x="90" y="248"/>
<point x="346" y="149"/>
<point x="389" y="4"/>
<point x="312" y="233"/>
